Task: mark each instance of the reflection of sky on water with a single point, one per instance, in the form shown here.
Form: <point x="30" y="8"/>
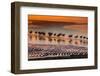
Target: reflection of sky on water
<point x="67" y="41"/>
<point x="56" y="29"/>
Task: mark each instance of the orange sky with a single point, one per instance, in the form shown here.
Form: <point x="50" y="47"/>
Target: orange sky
<point x="81" y="22"/>
<point x="58" y="18"/>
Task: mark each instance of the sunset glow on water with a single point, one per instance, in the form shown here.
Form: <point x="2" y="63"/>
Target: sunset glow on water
<point x="57" y="37"/>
